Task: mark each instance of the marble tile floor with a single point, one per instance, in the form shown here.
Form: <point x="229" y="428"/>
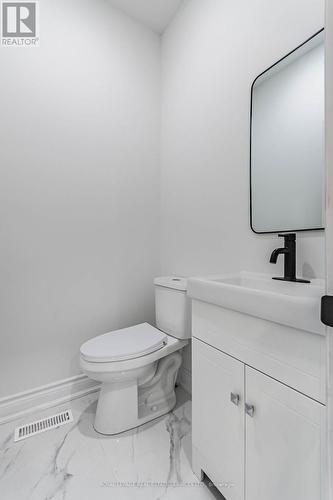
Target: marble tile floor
<point x="73" y="462"/>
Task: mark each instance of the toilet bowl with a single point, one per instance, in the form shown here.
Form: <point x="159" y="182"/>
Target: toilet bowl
<point x="138" y="366"/>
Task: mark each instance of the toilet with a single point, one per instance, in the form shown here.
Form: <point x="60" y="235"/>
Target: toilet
<point x="138" y="366"/>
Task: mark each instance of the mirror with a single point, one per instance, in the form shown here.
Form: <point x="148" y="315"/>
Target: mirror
<point x="287" y="142"/>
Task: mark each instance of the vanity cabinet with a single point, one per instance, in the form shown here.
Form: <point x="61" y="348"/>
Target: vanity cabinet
<point x="283" y="442"/>
<point x="255" y="437"/>
<point x="218" y="422"/>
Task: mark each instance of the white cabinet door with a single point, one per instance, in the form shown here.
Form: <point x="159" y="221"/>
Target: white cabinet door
<point x="284" y="459"/>
<point x="218" y="423"/>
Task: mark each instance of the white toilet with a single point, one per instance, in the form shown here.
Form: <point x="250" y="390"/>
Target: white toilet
<point x="138" y="366"/>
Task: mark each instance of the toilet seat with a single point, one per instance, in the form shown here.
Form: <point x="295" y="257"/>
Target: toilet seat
<point x="124" y="344"/>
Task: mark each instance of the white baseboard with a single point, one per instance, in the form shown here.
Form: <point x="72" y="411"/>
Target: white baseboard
<point x="46" y="396"/>
<point x="185" y="380"/>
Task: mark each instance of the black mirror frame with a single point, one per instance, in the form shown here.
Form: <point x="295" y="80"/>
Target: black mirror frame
<point x="251" y="113"/>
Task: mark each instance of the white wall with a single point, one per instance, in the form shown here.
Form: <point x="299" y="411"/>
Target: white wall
<point x="211" y="53"/>
<point x="79" y="153"/>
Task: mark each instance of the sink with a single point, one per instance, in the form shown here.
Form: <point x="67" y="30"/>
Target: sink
<point x="291" y="304"/>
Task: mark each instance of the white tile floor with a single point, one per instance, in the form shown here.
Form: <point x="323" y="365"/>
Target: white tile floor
<point x="73" y="462"/>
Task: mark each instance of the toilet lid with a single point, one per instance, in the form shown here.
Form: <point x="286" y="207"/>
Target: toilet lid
<point x="124" y="344"/>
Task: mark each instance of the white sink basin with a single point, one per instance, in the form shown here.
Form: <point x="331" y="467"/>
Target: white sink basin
<point x="292" y="304"/>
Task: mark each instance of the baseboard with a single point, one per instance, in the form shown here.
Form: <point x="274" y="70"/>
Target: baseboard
<point x="46" y="396"/>
<point x="185" y="380"/>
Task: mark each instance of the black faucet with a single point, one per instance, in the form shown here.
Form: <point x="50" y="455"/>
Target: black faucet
<point x="289" y="252"/>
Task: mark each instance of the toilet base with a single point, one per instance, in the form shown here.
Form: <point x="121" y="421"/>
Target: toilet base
<point x="138" y="423"/>
<point x="125" y="406"/>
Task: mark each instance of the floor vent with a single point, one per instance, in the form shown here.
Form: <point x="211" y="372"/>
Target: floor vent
<point x="46" y="424"/>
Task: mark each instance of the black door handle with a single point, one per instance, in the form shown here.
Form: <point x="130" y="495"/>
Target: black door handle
<point x="327" y="310"/>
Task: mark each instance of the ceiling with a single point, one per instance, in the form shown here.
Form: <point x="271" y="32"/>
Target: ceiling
<point x="156" y="14"/>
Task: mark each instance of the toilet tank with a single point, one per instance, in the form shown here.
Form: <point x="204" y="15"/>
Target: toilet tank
<point x="173" y="307"/>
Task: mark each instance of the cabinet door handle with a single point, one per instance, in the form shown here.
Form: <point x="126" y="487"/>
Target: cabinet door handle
<point x="249" y="410"/>
<point x="235" y="398"/>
